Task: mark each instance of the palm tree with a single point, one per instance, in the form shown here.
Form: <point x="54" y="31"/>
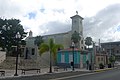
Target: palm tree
<point x="52" y="48"/>
<point x="88" y="41"/>
<point x="75" y="38"/>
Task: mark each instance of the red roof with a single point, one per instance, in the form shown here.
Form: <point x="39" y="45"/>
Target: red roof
<point x="75" y="49"/>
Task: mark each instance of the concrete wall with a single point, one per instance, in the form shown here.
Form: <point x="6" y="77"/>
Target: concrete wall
<point x="2" y="56"/>
<point x="61" y="38"/>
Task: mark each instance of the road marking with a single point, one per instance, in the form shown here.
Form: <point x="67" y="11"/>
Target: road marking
<point x="73" y="76"/>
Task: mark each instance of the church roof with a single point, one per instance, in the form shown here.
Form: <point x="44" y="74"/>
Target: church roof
<point x="75" y="49"/>
<point x="57" y="34"/>
<point x="76" y="16"/>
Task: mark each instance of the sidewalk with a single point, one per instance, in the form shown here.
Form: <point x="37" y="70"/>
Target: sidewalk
<point x="10" y="73"/>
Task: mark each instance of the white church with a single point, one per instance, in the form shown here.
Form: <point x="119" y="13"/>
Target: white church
<point x="31" y="50"/>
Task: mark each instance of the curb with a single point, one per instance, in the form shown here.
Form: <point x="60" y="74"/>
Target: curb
<point x="103" y="69"/>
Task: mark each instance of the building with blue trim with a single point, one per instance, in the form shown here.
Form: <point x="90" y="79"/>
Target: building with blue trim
<point x="65" y="57"/>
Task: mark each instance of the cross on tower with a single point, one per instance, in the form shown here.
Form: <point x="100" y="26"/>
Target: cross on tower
<point x="76" y="12"/>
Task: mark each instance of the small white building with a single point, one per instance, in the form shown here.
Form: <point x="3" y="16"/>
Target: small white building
<point x="30" y="50"/>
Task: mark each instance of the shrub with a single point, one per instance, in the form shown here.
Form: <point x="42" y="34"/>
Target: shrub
<point x="101" y="66"/>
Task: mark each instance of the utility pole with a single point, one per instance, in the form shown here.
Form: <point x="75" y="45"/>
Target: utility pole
<point x="94" y="51"/>
<point x="100" y="50"/>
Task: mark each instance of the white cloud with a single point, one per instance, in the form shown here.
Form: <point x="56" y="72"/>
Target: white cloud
<point x="104" y="24"/>
<point x="58" y="12"/>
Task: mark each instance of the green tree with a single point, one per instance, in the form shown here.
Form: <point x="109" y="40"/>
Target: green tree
<point x="8" y="31"/>
<point x="112" y="59"/>
<point x="75" y="37"/>
<point x="52" y="48"/>
<point x="88" y="41"/>
<point x="38" y="40"/>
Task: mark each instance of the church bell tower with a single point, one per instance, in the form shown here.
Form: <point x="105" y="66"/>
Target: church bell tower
<point x="78" y="27"/>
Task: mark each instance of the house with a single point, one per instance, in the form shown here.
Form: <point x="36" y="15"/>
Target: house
<point x="66" y="56"/>
<point x="101" y="56"/>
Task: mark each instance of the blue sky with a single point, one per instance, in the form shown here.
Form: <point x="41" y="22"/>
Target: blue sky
<point x="32" y="15"/>
<point x="101" y="17"/>
<point x="118" y="28"/>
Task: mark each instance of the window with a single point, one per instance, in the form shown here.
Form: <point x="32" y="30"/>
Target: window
<point x="98" y="59"/>
<point x="59" y="49"/>
<point x="27" y="52"/>
<point x="112" y="50"/>
<point x="62" y="58"/>
<point x="33" y="51"/>
<point x="117" y="51"/>
<point x="82" y="42"/>
<point x="107" y="50"/>
<point x="82" y="47"/>
<point x="102" y="59"/>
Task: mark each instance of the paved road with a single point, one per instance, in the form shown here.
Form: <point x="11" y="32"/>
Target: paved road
<point x="46" y="76"/>
<point x="108" y="75"/>
<point x="81" y="75"/>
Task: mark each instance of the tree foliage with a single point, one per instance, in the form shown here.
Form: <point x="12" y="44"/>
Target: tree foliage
<point x="75" y="37"/>
<point x="8" y="31"/>
<point x="38" y="40"/>
<point x="112" y="59"/>
<point x="51" y="47"/>
<point x="88" y="41"/>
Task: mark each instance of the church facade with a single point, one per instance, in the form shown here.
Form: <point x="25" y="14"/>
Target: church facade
<point x="65" y="38"/>
<point x="31" y="50"/>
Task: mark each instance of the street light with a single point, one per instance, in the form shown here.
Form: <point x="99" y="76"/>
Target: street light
<point x="73" y="46"/>
<point x="17" y="37"/>
<point x="50" y="71"/>
<point x="93" y="56"/>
